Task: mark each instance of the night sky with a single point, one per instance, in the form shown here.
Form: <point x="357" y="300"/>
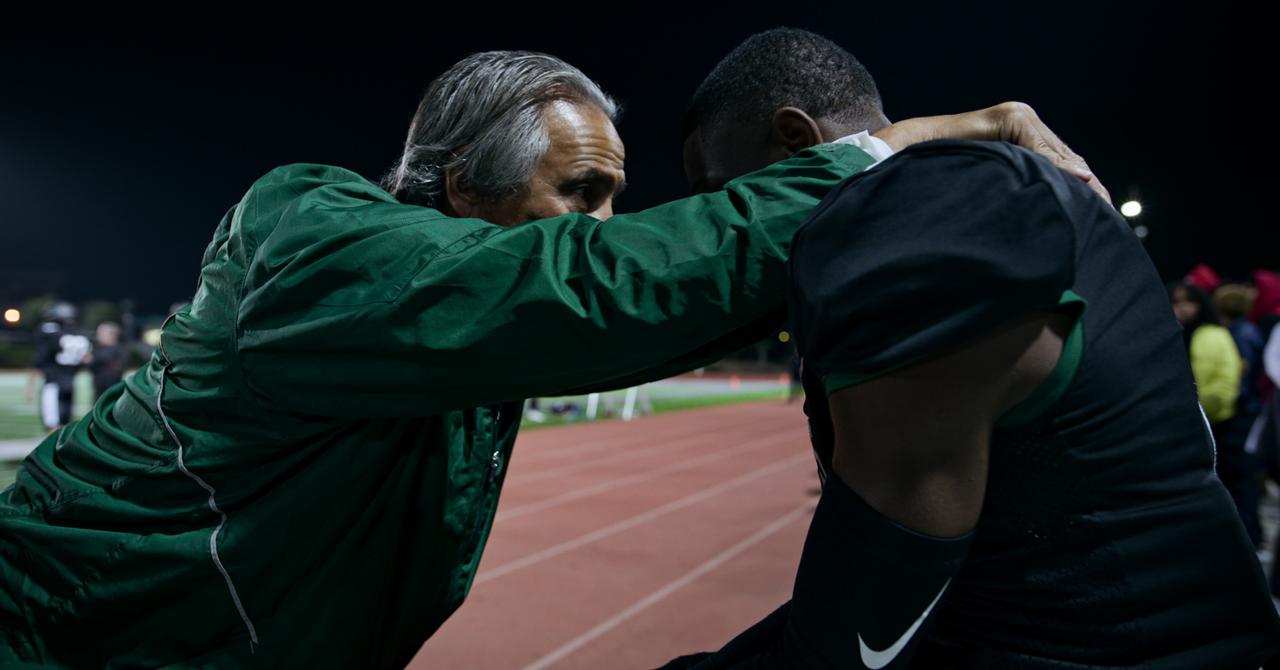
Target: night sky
<point x="123" y="143"/>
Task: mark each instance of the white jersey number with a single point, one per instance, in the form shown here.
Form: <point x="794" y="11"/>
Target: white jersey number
<point x="72" y="349"/>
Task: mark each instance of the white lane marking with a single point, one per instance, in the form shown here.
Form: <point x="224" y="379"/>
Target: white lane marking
<point x="629" y="523"/>
<point x="688" y="443"/>
<point x="612" y="484"/>
<point x="671" y="587"/>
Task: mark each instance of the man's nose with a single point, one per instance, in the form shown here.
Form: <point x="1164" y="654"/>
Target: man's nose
<point x="604" y="211"/>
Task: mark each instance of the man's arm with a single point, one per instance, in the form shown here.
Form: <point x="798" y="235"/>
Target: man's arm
<point x="913" y="443"/>
<point x="1013" y="122"/>
<point x="390" y="309"/>
<point x="892" y="527"/>
<point x="410" y="312"/>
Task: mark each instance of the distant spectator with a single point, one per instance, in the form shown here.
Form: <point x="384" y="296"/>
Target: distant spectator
<point x="1265" y="438"/>
<point x="1239" y="465"/>
<point x="533" y="411"/>
<point x="108" y="359"/>
<point x="1233" y="303"/>
<point x="1215" y="361"/>
<point x="1266" y="304"/>
<point x="60" y="353"/>
<point x="1203" y="278"/>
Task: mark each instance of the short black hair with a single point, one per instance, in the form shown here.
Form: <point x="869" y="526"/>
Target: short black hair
<point x="780" y="68"/>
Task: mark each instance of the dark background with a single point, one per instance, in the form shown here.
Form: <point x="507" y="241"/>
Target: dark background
<point x="122" y="142"/>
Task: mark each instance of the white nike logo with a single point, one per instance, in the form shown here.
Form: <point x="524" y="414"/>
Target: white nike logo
<point x="878" y="659"/>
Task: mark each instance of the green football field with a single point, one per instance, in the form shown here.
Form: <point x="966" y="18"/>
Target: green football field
<point x="19" y="415"/>
<point x="20" y="422"/>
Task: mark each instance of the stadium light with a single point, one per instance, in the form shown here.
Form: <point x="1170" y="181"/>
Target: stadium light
<point x="12" y="316"/>
<point x="1131" y="209"/>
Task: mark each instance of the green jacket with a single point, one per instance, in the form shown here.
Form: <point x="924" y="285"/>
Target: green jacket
<point x="305" y="473"/>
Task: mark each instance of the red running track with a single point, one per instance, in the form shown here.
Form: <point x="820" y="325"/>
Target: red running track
<point x="623" y="545"/>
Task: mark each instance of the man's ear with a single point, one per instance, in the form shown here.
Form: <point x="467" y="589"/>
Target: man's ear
<point x="462" y="202"/>
<point x="793" y="130"/>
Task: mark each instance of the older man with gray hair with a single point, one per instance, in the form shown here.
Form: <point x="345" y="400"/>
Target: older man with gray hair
<point x="535" y="142"/>
<point x="306" y="471"/>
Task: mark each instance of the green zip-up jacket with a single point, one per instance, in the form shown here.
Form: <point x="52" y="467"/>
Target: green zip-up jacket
<point x="306" y="471"/>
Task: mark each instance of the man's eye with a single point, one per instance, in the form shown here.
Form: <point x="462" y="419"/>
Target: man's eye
<point x="587" y="193"/>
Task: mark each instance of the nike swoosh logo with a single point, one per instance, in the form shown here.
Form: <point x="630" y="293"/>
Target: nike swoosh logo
<point x="875" y="660"/>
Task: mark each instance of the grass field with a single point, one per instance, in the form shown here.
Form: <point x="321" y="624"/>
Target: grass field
<point x="19" y="415"/>
<point x="20" y="421"/>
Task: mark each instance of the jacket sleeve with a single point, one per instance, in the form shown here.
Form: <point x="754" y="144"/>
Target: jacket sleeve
<point x="355" y="306"/>
<point x="1215" y="363"/>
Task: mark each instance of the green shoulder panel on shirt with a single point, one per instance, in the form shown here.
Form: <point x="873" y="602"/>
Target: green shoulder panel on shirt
<point x="1062" y="375"/>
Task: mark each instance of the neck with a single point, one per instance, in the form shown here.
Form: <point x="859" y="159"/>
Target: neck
<point x="834" y="130"/>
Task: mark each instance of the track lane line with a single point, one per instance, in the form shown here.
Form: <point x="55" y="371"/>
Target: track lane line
<point x="639" y="519"/>
<point x="666" y="427"/>
<point x="684" y="580"/>
<point x="614" y="484"/>
<point x="689" y="443"/>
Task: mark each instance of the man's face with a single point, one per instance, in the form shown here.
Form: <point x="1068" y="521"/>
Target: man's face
<point x="582" y="170"/>
<point x="712" y="161"/>
<point x="108" y="335"/>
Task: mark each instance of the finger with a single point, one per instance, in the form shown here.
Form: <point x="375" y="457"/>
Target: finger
<point x="1028" y="126"/>
<point x="1096" y="185"/>
<point x="1072" y="161"/>
<point x="1071" y="164"/>
<point x="1061" y="155"/>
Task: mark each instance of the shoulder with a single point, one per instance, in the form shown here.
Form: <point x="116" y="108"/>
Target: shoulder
<point x="307" y="172"/>
<point x="1247" y="331"/>
<point x="936" y="246"/>
<point x="940" y="174"/>
<point x="1212" y="337"/>
<point x="304" y="202"/>
<point x="302" y="180"/>
<point x="980" y="201"/>
<point x="1002" y="158"/>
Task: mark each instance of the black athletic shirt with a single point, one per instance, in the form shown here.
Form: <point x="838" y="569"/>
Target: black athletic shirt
<point x="1106" y="539"/>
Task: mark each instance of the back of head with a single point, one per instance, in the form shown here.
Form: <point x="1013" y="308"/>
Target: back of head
<point x="62" y="313"/>
<point x="482" y="120"/>
<point x="1234" y="301"/>
<point x="786" y="67"/>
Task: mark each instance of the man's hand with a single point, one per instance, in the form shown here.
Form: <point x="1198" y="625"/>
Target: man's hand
<point x="1013" y="122"/>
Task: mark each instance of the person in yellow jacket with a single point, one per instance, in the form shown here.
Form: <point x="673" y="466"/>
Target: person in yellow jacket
<point x="1215" y="360"/>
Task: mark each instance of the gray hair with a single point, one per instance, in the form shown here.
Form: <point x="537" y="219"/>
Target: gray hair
<point x="482" y="120"/>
